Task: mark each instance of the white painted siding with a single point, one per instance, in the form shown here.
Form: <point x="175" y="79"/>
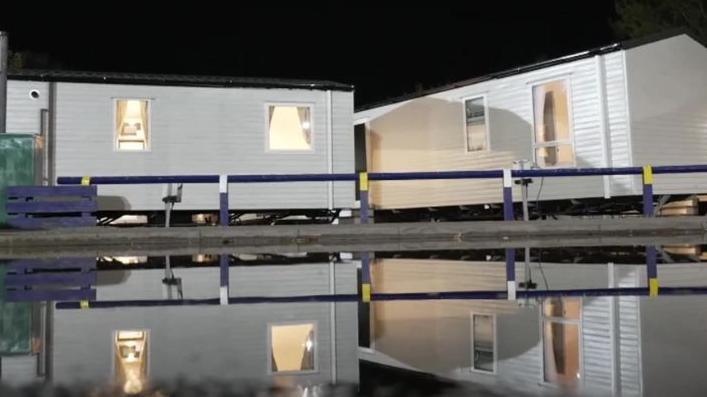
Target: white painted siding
<point x="618" y="122"/>
<point x="19" y="370"/>
<point x="427" y="134"/>
<point x="442" y="328"/>
<point x="667" y="84"/>
<point x="228" y="343"/>
<point x="194" y="130"/>
<point x="23" y="111"/>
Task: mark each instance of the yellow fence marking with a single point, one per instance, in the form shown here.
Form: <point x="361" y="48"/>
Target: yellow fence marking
<point x="84" y="304"/>
<point x="366" y="292"/>
<point x="653" y="287"/>
<point x="85" y="181"/>
<point x="363" y="181"/>
<point x="647" y="174"/>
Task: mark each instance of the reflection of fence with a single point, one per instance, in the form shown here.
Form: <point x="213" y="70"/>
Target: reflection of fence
<point x="50" y="279"/>
<point x="407" y="296"/>
<point x="506" y="176"/>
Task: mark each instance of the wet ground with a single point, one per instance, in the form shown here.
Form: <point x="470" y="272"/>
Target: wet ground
<point x="612" y="320"/>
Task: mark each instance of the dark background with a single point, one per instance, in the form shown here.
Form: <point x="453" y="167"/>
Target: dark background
<point x="385" y="51"/>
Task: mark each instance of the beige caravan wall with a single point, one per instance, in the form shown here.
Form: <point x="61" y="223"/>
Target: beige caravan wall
<point x="427" y="134"/>
<point x="441" y="340"/>
<point x="667" y="85"/>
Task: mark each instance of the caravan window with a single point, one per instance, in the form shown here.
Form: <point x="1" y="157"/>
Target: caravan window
<point x="130" y="360"/>
<point x="561" y="341"/>
<point x="132" y="124"/>
<point x="483" y="337"/>
<point x="476" y="126"/>
<point x="292" y="347"/>
<point x="289" y="127"/>
<point x="551" y="114"/>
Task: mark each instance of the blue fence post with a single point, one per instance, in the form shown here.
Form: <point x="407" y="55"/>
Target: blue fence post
<point x="223" y="217"/>
<point x="223" y="289"/>
<point x="652" y="270"/>
<point x="511" y="273"/>
<point x="507" y="195"/>
<point x="365" y="277"/>
<point x="647" y="190"/>
<point x="363" y="194"/>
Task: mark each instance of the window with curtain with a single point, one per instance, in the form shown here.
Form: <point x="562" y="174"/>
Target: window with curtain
<point x="561" y="340"/>
<point x="292" y="347"/>
<point x="131" y="360"/>
<point x="476" y="129"/>
<point x="132" y="121"/>
<point x="289" y="127"/>
<point x="482" y="341"/>
<point x="553" y="143"/>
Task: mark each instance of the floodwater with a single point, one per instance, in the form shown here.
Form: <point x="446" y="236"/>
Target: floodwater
<point x="582" y="322"/>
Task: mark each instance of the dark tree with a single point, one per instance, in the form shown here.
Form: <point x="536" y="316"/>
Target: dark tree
<point x="636" y="18"/>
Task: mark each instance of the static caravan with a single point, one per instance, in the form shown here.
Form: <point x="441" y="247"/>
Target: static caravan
<point x="589" y="346"/>
<point x="632" y="103"/>
<point x="300" y="343"/>
<point x="138" y="124"/>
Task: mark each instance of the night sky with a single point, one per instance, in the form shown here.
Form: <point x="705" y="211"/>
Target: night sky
<point x="384" y="51"/>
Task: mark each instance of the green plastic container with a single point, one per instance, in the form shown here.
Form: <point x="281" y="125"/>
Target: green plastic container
<point x="20" y="164"/>
<point x="15" y="323"/>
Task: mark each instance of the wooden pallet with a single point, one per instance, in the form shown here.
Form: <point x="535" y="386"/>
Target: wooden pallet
<point x="49" y="207"/>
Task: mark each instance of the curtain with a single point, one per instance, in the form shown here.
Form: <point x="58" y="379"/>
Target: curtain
<point x="308" y="356"/>
<point x="121" y="110"/>
<point x="144" y="109"/>
<point x="549" y="126"/>
<point x="303" y="113"/>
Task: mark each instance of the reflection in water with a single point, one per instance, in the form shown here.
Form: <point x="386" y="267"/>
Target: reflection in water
<point x="301" y="331"/>
<point x="561" y="330"/>
<point x="484" y="358"/>
<point x="131" y="358"/>
<point x="292" y="347"/>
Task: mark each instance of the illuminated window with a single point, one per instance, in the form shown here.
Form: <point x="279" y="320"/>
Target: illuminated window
<point x="561" y="333"/>
<point x="132" y="121"/>
<point x="553" y="143"/>
<point x="292" y="347"/>
<point x="482" y="341"/>
<point x="289" y="127"/>
<point x="476" y="130"/>
<point x="130" y="360"/>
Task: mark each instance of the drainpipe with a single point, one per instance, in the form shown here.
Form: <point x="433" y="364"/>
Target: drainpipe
<point x="3" y="80"/>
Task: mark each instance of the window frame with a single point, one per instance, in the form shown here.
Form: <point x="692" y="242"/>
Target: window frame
<point x="266" y="114"/>
<point x="570" y="121"/>
<point x="148" y="350"/>
<point x="494" y="371"/>
<point x="487" y="128"/>
<point x="580" y="341"/>
<point x="315" y="327"/>
<point x="148" y="138"/>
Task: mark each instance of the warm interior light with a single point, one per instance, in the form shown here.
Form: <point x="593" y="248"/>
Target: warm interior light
<point x="131" y="360"/>
<point x="132" y="119"/>
<point x="292" y="347"/>
<point x="289" y="128"/>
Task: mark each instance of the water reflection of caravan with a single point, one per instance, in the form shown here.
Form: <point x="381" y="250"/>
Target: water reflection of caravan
<point x="589" y="346"/>
<point x="280" y="343"/>
<point x="628" y="104"/>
